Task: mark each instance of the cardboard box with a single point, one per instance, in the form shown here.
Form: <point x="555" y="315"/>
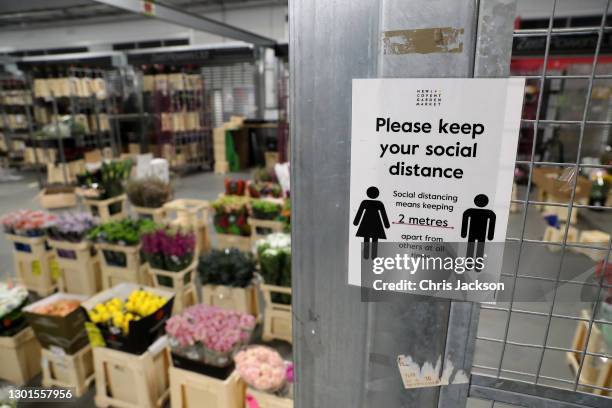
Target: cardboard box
<point x="67" y="332"/>
<point x="142" y="333"/>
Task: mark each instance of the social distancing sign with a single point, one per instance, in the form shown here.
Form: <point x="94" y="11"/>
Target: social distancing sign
<point x="432" y="161"/>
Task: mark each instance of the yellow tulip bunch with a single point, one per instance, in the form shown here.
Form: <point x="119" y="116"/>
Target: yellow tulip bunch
<point x="119" y="314"/>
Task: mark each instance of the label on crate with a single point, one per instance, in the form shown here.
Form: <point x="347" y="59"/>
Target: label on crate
<point x="432" y="162"/>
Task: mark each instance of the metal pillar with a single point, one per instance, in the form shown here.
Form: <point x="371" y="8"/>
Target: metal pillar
<point x="345" y="350"/>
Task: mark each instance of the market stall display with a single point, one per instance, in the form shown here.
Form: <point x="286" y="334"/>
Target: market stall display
<point x="147" y="197"/>
<point x="13" y="298"/>
<point x="227" y="278"/>
<point x="231" y="222"/>
<point x="75" y="255"/>
<point x="170" y="254"/>
<point x="105" y="190"/>
<point x="35" y="265"/>
<point x="190" y="214"/>
<point x="119" y="246"/>
<point x="266" y="218"/>
<point x="274" y="254"/>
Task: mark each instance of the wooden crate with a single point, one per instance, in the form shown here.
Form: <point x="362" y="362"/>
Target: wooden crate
<point x="81" y="275"/>
<point x="57" y="200"/>
<point x="132" y="381"/>
<point x="271" y="159"/>
<point x="20" y="357"/>
<point x="267" y="400"/>
<point x="55" y="172"/>
<point x="594" y="371"/>
<point x="277" y="316"/>
<point x="189" y="389"/>
<point x="182" y="283"/>
<point x="230" y="298"/>
<point x="234" y="241"/>
<point x="552" y="234"/>
<point x="62" y="370"/>
<point x="134" y="270"/>
<point x="35" y="269"/>
<point x="191" y="215"/>
<point x="155" y="214"/>
<point x="273" y="226"/>
<point x="103" y="207"/>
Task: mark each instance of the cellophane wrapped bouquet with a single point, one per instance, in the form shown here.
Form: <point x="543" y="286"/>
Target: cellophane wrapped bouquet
<point x="28" y="223"/>
<point x="209" y="334"/>
<point x="263" y="368"/>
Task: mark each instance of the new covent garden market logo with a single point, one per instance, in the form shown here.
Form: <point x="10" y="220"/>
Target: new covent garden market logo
<point x="428" y="97"/>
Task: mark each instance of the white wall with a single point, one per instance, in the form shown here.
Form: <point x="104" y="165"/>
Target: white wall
<point x="269" y="21"/>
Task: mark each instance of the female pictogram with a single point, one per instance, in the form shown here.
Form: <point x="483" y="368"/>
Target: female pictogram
<point x="372" y="220"/>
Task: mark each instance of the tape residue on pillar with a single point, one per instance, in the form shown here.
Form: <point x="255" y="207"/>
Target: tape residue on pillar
<point x="423" y="41"/>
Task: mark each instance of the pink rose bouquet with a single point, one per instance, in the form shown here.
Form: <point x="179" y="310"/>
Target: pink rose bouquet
<point x="262" y="368"/>
<point x="208" y="333"/>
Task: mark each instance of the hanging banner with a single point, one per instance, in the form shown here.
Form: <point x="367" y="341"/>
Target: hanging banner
<point x="432" y="165"/>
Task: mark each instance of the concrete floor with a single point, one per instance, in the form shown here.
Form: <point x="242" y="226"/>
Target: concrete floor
<point x="536" y="260"/>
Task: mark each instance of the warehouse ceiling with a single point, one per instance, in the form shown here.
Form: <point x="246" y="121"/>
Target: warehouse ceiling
<point x="29" y="14"/>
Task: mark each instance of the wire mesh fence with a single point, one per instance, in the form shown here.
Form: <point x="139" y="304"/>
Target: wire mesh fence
<point x="560" y="226"/>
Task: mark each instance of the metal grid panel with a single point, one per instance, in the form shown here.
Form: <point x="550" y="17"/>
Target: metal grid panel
<point x="556" y="317"/>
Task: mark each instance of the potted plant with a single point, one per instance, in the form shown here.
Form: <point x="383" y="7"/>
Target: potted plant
<point x="105" y="195"/>
<point x="34" y="263"/>
<point x="75" y="255"/>
<point x="170" y="254"/>
<point x="227" y="280"/>
<point x="265" y="209"/>
<point x="235" y="187"/>
<point x="274" y="254"/>
<point x="203" y="338"/>
<point x="119" y="242"/>
<point x="148" y="196"/>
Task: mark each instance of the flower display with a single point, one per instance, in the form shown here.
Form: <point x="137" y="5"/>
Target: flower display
<point x="27" y="222"/>
<point x="231" y="215"/>
<point x="150" y="192"/>
<point x="265" y="210"/>
<point x="124" y="232"/>
<point x="61" y="308"/>
<point x="71" y="226"/>
<point x="235" y="187"/>
<point x="274" y="254"/>
<point x="262" y="368"/>
<point x="168" y="248"/>
<point x="12" y="300"/>
<point x="262" y="189"/>
<point x="117" y="314"/>
<point x="209" y="334"/>
<point x="228" y="267"/>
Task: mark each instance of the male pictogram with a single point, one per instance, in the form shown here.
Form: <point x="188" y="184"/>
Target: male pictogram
<point x="478" y="225"/>
<point x="372" y="220"/>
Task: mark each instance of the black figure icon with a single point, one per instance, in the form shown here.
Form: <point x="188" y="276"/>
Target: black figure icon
<point x="372" y="220"/>
<point x="478" y="225"/>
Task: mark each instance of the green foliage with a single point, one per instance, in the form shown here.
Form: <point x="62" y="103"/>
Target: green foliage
<point x="109" y="180"/>
<point x="149" y="192"/>
<point x="274" y="254"/>
<point x="228" y="267"/>
<point x="124" y="232"/>
<point x="265" y="209"/>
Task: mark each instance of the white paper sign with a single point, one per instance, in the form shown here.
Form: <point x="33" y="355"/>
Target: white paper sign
<point x="429" y="156"/>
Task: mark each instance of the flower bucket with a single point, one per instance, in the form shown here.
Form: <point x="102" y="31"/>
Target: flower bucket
<point x="114" y="208"/>
<point x="121" y="263"/>
<point x="231" y="298"/>
<point x="182" y="283"/>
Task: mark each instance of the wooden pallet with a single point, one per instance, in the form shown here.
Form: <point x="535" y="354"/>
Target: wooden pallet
<point x="62" y="370"/>
<point x="34" y="269"/>
<point x="257" y="226"/>
<point x="267" y="400"/>
<point x="182" y="283"/>
<point x="226" y="297"/>
<point x="277" y="316"/>
<point x="134" y="271"/>
<point x="594" y="371"/>
<point x="81" y="275"/>
<point x="155" y="214"/>
<point x="19" y="357"/>
<point x="132" y="381"/>
<point x="191" y="215"/>
<point x="103" y="208"/>
<point x="189" y="389"/>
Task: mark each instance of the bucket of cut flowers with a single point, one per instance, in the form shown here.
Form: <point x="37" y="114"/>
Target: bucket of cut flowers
<point x="104" y="192"/>
<point x="227" y="279"/>
<point x="35" y="264"/>
<point x="265" y="218"/>
<point x="267" y="376"/>
<point x="118" y="244"/>
<point x="172" y="266"/>
<point x="204" y="338"/>
<point x="76" y="256"/>
<point x="231" y="222"/>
